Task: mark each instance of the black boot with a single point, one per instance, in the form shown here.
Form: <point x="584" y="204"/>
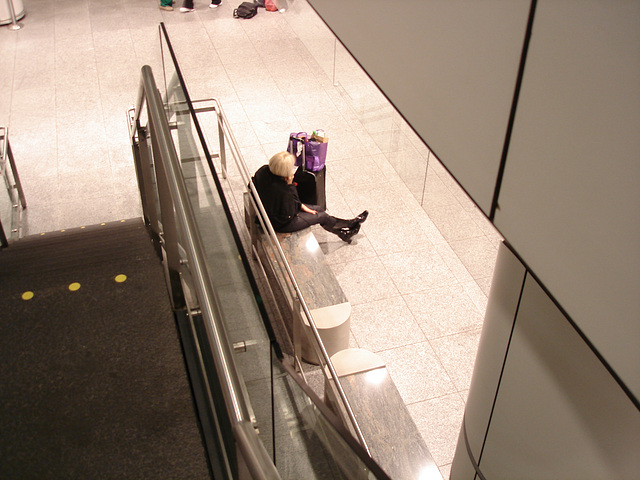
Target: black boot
<point x="359" y="219"/>
<point x="347" y="233"/>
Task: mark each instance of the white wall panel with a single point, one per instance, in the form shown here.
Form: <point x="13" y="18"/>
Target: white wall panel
<point x="448" y="66"/>
<point x="502" y="308"/>
<point x="558" y="414"/>
<point x="570" y="201"/>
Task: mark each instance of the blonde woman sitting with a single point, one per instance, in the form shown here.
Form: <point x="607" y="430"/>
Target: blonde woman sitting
<point x="279" y="195"/>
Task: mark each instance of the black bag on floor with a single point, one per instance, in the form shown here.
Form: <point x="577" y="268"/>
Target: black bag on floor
<point x="246" y="10"/>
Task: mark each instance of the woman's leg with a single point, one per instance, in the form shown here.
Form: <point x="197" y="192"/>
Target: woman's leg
<point x="345" y="229"/>
<point x="303" y="220"/>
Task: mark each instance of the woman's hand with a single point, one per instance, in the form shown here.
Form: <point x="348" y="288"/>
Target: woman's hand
<point x="307" y="209"/>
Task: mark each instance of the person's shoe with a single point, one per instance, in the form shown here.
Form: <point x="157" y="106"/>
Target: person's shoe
<point x="187" y="10"/>
<point x="363" y="216"/>
<point x="347" y="233"/>
<point x="359" y="219"/>
<point x="214" y="5"/>
<point x="167" y="8"/>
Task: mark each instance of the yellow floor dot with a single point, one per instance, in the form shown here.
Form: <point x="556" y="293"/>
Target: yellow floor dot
<point x="74" y="286"/>
<point x="121" y="278"/>
<point x="27" y="295"/>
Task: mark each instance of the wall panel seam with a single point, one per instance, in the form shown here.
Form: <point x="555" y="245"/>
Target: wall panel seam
<point x="512" y="114"/>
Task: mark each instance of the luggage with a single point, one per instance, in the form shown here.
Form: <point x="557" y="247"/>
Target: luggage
<point x="311" y="185"/>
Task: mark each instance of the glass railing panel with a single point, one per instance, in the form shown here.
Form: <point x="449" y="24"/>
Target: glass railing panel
<point x="235" y="296"/>
<point x="310" y="442"/>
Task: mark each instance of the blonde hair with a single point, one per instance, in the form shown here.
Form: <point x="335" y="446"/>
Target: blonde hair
<point x="282" y="164"/>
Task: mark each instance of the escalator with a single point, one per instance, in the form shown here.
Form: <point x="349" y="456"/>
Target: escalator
<point x="94" y="383"/>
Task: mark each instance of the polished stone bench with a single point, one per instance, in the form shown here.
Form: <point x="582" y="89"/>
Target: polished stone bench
<point x="391" y="434"/>
<point x="327" y="303"/>
<point x="392" y="437"/>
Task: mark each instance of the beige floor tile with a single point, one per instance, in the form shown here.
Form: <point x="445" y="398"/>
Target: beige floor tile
<point x="424" y="222"/>
<point x="299" y="103"/>
<point x="418" y="270"/>
<point x="478" y="254"/>
<point x="457" y="353"/>
<point x="360" y="171"/>
<point x="444" y="311"/>
<point x="337" y="252"/>
<point x="395" y="233"/>
<point x="437" y="194"/>
<point x="484" y="283"/>
<point x="417" y="372"/>
<point x="365" y="280"/>
<point x="380" y="199"/>
<point x="454" y="222"/>
<point x="384" y="324"/>
<point x="477" y="293"/>
<point x="453" y="262"/>
<point x="445" y="470"/>
<point x="439" y="420"/>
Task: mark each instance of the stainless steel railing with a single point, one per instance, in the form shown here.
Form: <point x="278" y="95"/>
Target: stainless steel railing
<point x="14" y="204"/>
<point x="178" y="219"/>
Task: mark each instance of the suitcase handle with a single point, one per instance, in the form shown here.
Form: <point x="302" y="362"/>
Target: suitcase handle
<point x="303" y="162"/>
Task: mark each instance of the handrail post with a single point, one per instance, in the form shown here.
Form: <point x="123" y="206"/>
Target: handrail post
<point x="297" y="328"/>
<point x="15" y="25"/>
<point x="223" y="153"/>
<point x="9" y="171"/>
<point x="16" y="177"/>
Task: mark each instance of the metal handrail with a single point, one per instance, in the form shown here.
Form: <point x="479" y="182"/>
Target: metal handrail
<point x="275" y="244"/>
<point x="229" y="377"/>
<point x="8" y="164"/>
<point x="14" y="170"/>
<point x="14" y="21"/>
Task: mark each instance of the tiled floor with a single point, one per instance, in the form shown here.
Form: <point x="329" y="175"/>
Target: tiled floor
<point x="420" y="271"/>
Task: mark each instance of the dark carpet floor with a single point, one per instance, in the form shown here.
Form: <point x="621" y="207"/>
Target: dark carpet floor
<point x="93" y="382"/>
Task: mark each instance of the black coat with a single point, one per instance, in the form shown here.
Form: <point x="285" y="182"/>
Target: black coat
<point x="280" y="200"/>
